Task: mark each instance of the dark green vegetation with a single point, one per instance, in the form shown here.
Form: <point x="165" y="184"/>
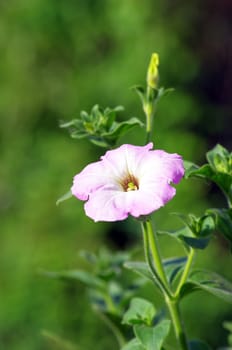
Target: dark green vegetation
<point x="61" y="57"/>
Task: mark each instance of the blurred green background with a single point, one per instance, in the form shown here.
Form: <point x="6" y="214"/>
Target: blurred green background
<point x="57" y="58"/>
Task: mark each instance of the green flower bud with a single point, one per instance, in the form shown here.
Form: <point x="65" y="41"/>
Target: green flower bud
<point x="152" y="72"/>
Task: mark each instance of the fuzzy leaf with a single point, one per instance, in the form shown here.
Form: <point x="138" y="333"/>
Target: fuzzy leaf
<point x="140" y="268"/>
<point x="210" y="282"/>
<point x="152" y="338"/>
<point x="140" y="311"/>
<point x="218" y="158"/>
<point x="134" y="344"/>
<point x="118" y="129"/>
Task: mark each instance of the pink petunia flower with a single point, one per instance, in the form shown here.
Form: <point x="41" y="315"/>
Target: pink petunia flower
<point x="129" y="180"/>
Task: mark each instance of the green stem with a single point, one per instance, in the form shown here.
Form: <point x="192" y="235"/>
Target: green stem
<point x="155" y="253"/>
<point x="153" y="257"/>
<point x="173" y="308"/>
<point x="150" y="263"/>
<point x="149" y="110"/>
<point x="185" y="272"/>
<point x="118" y="335"/>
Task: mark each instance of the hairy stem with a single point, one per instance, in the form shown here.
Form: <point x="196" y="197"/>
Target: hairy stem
<point x="174" y="311"/>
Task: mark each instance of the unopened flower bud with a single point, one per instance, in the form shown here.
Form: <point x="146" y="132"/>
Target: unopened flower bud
<point x="153" y="73"/>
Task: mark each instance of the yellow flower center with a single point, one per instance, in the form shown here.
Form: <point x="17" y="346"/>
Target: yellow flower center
<point x="131" y="187"/>
<point x="130" y="183"/>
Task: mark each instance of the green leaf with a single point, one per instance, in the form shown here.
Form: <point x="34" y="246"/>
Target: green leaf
<point x="140" y="268"/>
<point x="189" y="168"/>
<point x="152" y="338"/>
<point x="143" y="270"/>
<point x="140" y="311"/>
<point x="218" y="158"/>
<point x="59" y="343"/>
<point x="134" y="344"/>
<point x="186" y="237"/>
<point x="196" y="243"/>
<point x="173" y="266"/>
<point x="163" y="92"/>
<point x="210" y="282"/>
<point x="222" y="178"/>
<point x="228" y="325"/>
<point x="223" y="221"/>
<point x="66" y="196"/>
<point x="79" y="275"/>
<point x="198" y="345"/>
<point x="140" y="91"/>
<point x="98" y="141"/>
<point x="119" y="129"/>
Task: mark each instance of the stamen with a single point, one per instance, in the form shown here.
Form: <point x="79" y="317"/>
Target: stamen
<point x="131" y="187"/>
<point x="130" y="183"/>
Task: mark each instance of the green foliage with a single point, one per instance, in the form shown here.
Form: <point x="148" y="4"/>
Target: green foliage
<point x="218" y="170"/>
<point x="228" y="326"/>
<point x="149" y="338"/>
<point x="140" y="312"/>
<point x="134" y="344"/>
<point x="198" y="345"/>
<point x="152" y="338"/>
<point x="197" y="232"/>
<point x="109" y="293"/>
<point x="100" y="126"/>
<point x="223" y="221"/>
<point x="210" y="282"/>
<point x="51" y="66"/>
<point x="57" y="343"/>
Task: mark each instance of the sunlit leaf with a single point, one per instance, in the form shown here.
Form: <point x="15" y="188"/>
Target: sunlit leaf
<point x="152" y="338"/>
<point x="141" y="311"/>
<point x="210" y="282"/>
<point x="134" y="344"/>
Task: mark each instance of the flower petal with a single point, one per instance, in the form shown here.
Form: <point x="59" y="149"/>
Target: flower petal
<point x="104" y="205"/>
<point x="90" y="179"/>
<point x="147" y="199"/>
<point x="126" y="159"/>
<point x="160" y="164"/>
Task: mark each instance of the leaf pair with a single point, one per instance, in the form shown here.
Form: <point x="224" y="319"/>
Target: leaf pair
<point x="141" y="315"/>
<point x="196" y="233"/>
